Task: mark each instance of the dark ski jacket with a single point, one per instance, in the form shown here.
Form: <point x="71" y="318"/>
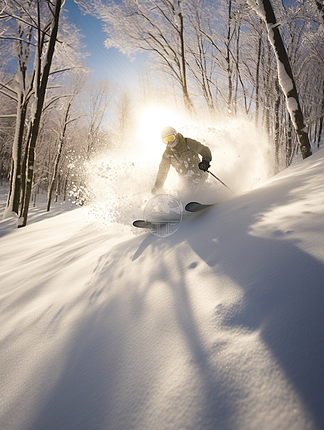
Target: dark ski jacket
<point x="184" y="157"/>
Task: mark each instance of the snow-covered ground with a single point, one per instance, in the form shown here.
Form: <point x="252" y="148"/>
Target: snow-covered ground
<point x="219" y="326"/>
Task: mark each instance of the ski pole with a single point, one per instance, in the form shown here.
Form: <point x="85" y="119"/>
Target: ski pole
<point x="221" y="182"/>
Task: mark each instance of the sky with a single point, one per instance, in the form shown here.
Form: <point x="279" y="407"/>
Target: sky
<point x="109" y="64"/>
<point x="218" y="326"/>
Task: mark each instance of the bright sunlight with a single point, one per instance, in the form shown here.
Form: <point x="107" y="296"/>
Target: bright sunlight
<point x="152" y="121"/>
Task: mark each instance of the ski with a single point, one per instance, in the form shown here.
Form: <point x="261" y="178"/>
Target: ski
<point x="196" y="207"/>
<point x="140" y="223"/>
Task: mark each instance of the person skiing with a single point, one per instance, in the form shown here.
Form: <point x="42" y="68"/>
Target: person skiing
<point x="183" y="154"/>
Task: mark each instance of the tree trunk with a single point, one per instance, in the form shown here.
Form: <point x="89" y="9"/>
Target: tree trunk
<point x="187" y="100"/>
<point x="16" y="173"/>
<point x="320" y="128"/>
<point x="286" y="78"/>
<point x="42" y="80"/>
<point x="54" y="177"/>
<point x="257" y="82"/>
<point x="277" y="128"/>
<point x="228" y="59"/>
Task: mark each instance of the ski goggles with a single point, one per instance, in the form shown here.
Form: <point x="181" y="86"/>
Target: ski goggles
<point x="169" y="139"/>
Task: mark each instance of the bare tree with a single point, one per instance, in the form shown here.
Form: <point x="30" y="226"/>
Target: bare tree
<point x="154" y="26"/>
<point x="200" y="65"/>
<point x="37" y="27"/>
<point x="68" y="116"/>
<point x="124" y="115"/>
<point x="100" y="96"/>
<point x="287" y="81"/>
<point x="32" y="26"/>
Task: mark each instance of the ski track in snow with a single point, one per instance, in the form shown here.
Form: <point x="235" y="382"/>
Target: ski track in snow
<point x="219" y="326"/>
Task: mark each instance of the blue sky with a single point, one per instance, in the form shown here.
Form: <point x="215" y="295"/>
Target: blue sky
<point x="105" y="63"/>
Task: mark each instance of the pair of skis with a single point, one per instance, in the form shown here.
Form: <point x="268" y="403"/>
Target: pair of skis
<point x="190" y="207"/>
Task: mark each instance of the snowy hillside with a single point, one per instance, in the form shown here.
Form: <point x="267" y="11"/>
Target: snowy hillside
<point x="219" y="326"/>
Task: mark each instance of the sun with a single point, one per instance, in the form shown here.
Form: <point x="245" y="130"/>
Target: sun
<point x="153" y="120"/>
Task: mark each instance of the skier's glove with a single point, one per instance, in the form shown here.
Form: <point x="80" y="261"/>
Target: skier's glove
<point x="204" y="165"/>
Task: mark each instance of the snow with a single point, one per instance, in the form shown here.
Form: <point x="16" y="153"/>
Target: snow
<point x="119" y="187"/>
<point x="219" y="326"/>
<point x="258" y="6"/>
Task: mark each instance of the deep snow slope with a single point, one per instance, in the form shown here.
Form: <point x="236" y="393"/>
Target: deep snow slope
<point x="219" y="326"/>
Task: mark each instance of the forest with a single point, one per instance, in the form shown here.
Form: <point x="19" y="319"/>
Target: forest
<point x="263" y="61"/>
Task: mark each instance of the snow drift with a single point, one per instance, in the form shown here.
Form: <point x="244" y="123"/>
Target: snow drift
<point x="219" y="326"/>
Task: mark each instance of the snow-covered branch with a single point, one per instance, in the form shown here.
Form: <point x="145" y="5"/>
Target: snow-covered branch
<point x="286" y="78"/>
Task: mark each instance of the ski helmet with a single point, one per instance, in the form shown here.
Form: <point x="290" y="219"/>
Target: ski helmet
<point x="167" y="131"/>
<point x="169" y="136"/>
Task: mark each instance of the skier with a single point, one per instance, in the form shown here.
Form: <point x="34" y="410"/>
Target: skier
<point x="183" y="154"/>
